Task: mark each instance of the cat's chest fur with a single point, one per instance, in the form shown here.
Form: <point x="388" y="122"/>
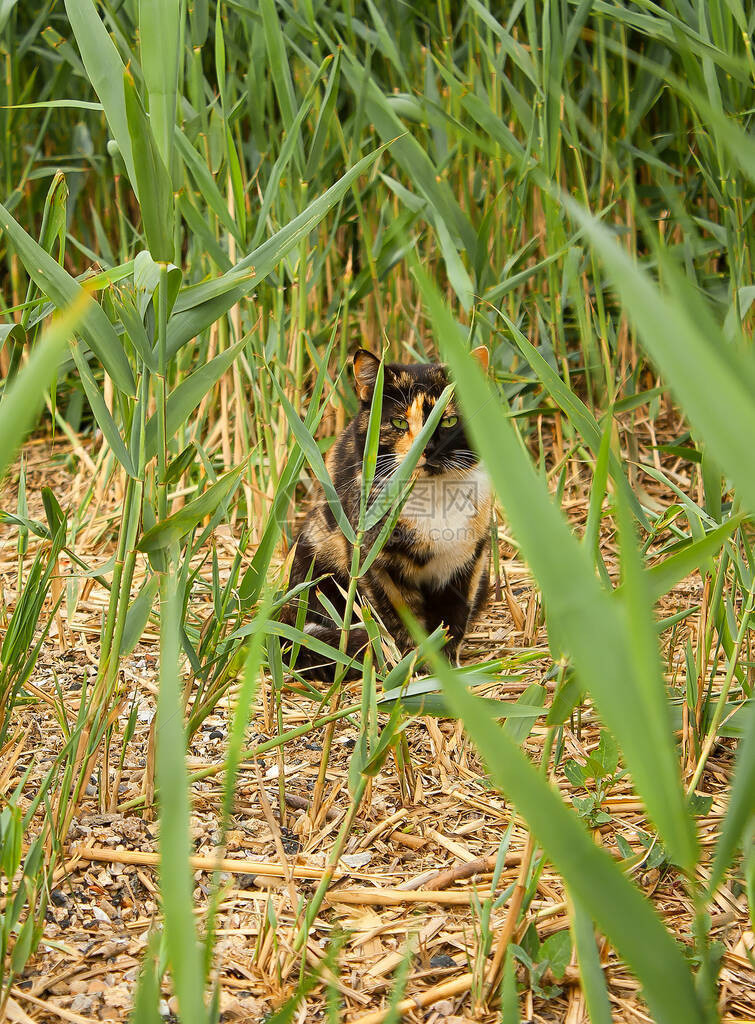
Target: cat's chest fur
<point x="443" y="521"/>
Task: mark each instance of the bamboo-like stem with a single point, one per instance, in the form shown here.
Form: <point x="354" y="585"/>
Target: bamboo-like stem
<point x="120" y="557"/>
<point x="335" y="700"/>
<point x="718" y="711"/>
<point x="162" y="393"/>
<point x="301" y="326"/>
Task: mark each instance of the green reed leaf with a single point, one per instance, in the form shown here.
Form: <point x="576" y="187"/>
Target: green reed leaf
<point x="280" y="68"/>
<point x="14" y="332"/>
<point x="591" y="970"/>
<point x="171" y="530"/>
<point x="573" y="406"/>
<point x="394" y="492"/>
<point x="176" y="882"/>
<point x="105" y="70"/>
<point x="680" y="336"/>
<point x="152" y="179"/>
<point x="583" y="619"/>
<point x="408" y="152"/>
<point x="138" y="614"/>
<point x="22" y="400"/>
<point x="159" y="40"/>
<point x="607" y="895"/>
<point x="312" y="454"/>
<point x="185" y="398"/>
<point x="54" y="282"/>
<point x="323" y="124"/>
<point x="196" y="308"/>
<point x="664" y="576"/>
<point x="254" y="577"/>
<point x="100" y="411"/>
<point x="740" y="811"/>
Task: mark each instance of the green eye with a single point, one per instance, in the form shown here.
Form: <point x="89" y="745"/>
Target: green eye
<point x="449" y="421"/>
<point x="400" y="423"/>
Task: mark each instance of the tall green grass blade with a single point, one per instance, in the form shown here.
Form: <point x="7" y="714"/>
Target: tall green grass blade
<point x="171" y="530"/>
<point x="147" y="275"/>
<point x="101" y="412"/>
<point x="185" y="398"/>
<point x="201" y="306"/>
<point x="54" y="218"/>
<point x="612" y="900"/>
<point x="254" y="577"/>
<point x="372" y="440"/>
<point x="205" y="183"/>
<point x="401" y="476"/>
<point x="740" y="812"/>
<point x="138" y="614"/>
<point x="278" y="61"/>
<point x="244" y="704"/>
<point x="662" y="578"/>
<point x="323" y="124"/>
<point x="132" y="322"/>
<point x="289" y="147"/>
<point x="160" y="38"/>
<point x="234" y="164"/>
<point x="105" y="69"/>
<point x="202" y="230"/>
<point x="591" y="973"/>
<point x="147" y="1000"/>
<point x="176" y="883"/>
<point x="312" y="454"/>
<point x="591" y="537"/>
<point x="582" y="617"/>
<point x="22" y="400"/>
<point x="573" y="406"/>
<point x="153" y="185"/>
<point x="509" y="999"/>
<point x="13" y="332"/>
<point x="681" y="338"/>
<point x="297" y="636"/>
<point x="516" y="726"/>
<point x="409" y="154"/>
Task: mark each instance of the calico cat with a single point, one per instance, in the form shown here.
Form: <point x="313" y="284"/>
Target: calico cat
<point x="435" y="561"/>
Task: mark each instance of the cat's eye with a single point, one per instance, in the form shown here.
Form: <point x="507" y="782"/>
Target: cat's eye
<point x="400" y="423"/>
<point x="449" y="421"/>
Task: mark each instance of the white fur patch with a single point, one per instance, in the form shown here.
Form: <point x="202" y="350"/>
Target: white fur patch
<point x="316" y="629"/>
<point x="444" y="513"/>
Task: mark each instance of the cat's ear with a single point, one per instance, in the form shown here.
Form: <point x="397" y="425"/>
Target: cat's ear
<point x="482" y="356"/>
<point x="365" y="373"/>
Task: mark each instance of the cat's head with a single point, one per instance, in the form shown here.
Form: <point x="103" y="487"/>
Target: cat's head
<point x="410" y="390"/>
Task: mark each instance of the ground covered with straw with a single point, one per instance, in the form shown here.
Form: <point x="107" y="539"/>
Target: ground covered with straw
<point x="419" y="863"/>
